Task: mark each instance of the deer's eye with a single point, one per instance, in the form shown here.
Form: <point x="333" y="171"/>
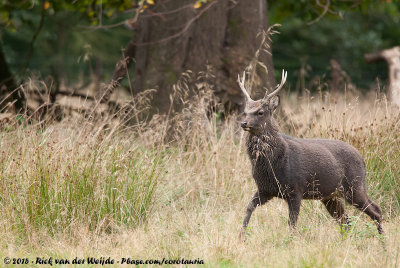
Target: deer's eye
<point x="261" y="112"/>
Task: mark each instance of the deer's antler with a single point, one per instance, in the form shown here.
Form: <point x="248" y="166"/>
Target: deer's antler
<point x="242" y="87"/>
<point x="278" y="87"/>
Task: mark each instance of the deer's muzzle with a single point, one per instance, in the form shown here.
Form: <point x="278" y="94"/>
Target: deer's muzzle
<point x="245" y="126"/>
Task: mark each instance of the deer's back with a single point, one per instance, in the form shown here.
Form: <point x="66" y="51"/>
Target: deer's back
<point x="321" y="167"/>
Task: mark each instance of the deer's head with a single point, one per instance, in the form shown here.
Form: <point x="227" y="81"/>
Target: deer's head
<point x="258" y="113"/>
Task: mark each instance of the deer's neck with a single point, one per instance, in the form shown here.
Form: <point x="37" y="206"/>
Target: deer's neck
<point x="267" y="156"/>
<point x="268" y="144"/>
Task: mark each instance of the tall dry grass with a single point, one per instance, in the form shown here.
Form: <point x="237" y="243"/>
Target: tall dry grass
<point x="176" y="186"/>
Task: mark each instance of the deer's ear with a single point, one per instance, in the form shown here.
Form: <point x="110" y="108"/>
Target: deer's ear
<point x="273" y="102"/>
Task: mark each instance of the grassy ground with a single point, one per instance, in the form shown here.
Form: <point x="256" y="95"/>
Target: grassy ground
<point x="177" y="187"/>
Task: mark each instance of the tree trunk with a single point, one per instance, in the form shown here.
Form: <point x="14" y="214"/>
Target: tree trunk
<point x="10" y="96"/>
<point x="175" y="37"/>
<point x="392" y="57"/>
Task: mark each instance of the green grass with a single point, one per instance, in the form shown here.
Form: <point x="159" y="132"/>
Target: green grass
<point x="52" y="188"/>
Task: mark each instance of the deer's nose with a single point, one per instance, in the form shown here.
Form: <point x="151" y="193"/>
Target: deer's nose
<point x="243" y="124"/>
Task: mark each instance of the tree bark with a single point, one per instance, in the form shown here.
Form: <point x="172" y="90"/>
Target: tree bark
<point x="120" y="71"/>
<point x="9" y="94"/>
<point x="224" y="36"/>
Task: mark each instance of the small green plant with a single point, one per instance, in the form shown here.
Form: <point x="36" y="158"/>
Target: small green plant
<point x="288" y="240"/>
<point x="355" y="230"/>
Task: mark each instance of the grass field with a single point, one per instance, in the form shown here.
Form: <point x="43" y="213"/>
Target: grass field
<point x="177" y="187"/>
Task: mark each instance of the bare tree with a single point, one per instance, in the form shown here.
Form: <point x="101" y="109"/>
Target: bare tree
<point x="392" y="57"/>
<point x="173" y="37"/>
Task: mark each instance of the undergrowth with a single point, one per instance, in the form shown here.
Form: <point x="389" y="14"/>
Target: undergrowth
<point x="177" y="185"/>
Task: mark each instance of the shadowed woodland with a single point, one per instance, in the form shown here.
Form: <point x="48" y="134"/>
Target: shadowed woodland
<point x="120" y="127"/>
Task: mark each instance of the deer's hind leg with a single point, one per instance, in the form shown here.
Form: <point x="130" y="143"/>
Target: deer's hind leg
<point x="335" y="207"/>
<point x="360" y="200"/>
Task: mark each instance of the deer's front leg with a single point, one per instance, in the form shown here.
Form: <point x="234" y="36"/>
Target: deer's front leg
<point x="257" y="200"/>
<point x="294" y="202"/>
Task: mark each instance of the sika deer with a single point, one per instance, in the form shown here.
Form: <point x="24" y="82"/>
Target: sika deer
<point x="296" y="169"/>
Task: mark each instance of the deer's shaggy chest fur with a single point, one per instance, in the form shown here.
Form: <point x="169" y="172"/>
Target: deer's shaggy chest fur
<point x="265" y="156"/>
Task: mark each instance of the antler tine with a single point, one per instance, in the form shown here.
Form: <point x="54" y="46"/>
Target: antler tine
<point x="279" y="87"/>
<point x="242" y="87"/>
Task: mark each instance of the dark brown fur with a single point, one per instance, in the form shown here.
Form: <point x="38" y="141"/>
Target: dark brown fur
<point x="296" y="169"/>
